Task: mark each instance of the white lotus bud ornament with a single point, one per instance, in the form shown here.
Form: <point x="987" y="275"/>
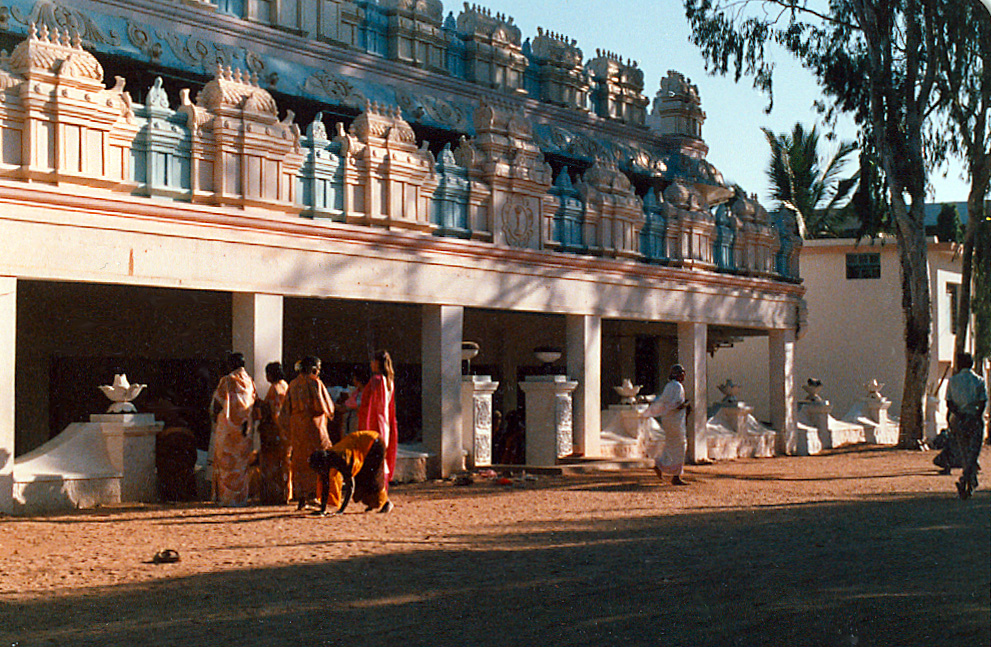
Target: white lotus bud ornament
<point x="121" y="393"/>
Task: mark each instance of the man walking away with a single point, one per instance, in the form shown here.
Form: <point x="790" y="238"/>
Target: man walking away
<point x="966" y="397"/>
<point x="672" y="408"/>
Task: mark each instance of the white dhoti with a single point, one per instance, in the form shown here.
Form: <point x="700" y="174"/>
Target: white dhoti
<point x="671" y="458"/>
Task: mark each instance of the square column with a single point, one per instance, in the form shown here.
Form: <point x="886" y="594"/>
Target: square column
<point x="8" y="341"/>
<point x="257" y="332"/>
<point x="441" y="375"/>
<point x="781" y="348"/>
<point x="584" y="354"/>
<point x="692" y="340"/>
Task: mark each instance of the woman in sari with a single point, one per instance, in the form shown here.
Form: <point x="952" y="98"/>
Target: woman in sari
<point x="276" y="450"/>
<point x="378" y="408"/>
<point x="305" y="413"/>
<point x="231" y="442"/>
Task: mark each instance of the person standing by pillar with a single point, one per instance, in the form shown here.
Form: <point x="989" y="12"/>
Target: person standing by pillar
<point x="232" y="433"/>
<point x="305" y="413"/>
<point x="672" y="408"/>
<point x="276" y="448"/>
<point x="378" y="408"/>
<point x="966" y="397"/>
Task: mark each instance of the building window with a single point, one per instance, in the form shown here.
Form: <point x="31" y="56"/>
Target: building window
<point x="863" y="266"/>
<point x="953" y="289"/>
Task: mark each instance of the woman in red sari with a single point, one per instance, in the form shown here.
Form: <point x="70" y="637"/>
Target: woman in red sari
<point x="378" y="408"/>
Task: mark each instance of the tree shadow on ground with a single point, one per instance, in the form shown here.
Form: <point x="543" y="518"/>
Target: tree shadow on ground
<point x="907" y="570"/>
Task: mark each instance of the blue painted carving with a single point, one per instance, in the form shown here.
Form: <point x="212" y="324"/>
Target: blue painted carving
<point x="320" y="183"/>
<point x="161" y="152"/>
<point x="787" y="230"/>
<point x="652" y="236"/>
<point x="569" y="216"/>
<point x="722" y="247"/>
<point x="449" y="206"/>
<point x="232" y="7"/>
<point x="455" y="55"/>
<point x="531" y="76"/>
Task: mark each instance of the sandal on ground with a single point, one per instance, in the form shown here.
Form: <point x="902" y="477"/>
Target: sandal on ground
<point x="166" y="556"/>
<point x="387" y="508"/>
<point x="677" y="480"/>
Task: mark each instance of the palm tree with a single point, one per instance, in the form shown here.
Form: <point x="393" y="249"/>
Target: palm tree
<point x="806" y="184"/>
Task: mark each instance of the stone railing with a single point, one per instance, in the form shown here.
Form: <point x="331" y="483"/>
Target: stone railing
<point x="228" y="147"/>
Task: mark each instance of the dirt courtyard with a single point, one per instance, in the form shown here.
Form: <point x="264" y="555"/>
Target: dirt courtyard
<point x="862" y="547"/>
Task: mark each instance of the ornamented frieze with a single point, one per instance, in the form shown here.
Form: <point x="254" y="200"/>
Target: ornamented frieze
<point x="334" y="88"/>
<point x="62" y="17"/>
<point x="426" y="108"/>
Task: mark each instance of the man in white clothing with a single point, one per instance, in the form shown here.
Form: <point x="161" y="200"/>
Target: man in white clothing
<point x="671" y="408"/>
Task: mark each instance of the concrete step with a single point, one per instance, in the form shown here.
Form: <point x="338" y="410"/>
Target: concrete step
<point x="579" y="465"/>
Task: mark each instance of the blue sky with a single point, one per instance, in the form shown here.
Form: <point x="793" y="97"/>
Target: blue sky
<point x="655" y="34"/>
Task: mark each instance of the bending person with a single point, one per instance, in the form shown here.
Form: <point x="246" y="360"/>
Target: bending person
<point x="353" y="468"/>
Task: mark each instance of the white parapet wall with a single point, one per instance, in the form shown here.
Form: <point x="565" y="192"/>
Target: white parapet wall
<point x="110" y="459"/>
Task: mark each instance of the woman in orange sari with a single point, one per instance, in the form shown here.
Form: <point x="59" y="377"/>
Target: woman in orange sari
<point x="378" y="408"/>
<point x="231" y="442"/>
<point x="305" y="413"/>
<point x="276" y="450"/>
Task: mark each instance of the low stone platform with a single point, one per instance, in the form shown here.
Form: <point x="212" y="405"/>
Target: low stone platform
<point x="579" y="465"/>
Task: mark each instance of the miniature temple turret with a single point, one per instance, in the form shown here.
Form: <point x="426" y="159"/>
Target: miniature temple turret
<point x="614" y="214"/>
<point x="677" y="108"/>
<point x="61" y="124"/>
<point x="652" y="236"/>
<point x="416" y="34"/>
<point x="242" y="154"/>
<point x="493" y="51"/>
<point x="690" y="226"/>
<point x="567" y="216"/>
<point x="561" y="76"/>
<point x="617" y="88"/>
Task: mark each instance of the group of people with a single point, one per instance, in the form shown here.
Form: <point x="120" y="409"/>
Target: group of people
<point x="299" y="459"/>
<point x="966" y="400"/>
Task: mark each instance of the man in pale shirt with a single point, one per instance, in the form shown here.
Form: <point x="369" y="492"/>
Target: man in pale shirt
<point x="966" y="397"/>
<point x="671" y="407"/>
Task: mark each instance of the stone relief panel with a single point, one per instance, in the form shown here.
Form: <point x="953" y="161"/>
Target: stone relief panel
<point x="421" y="107"/>
<point x="563" y="424"/>
<point x="335" y="88"/>
<point x="518" y="222"/>
<point x="483" y="430"/>
<point x="58" y="16"/>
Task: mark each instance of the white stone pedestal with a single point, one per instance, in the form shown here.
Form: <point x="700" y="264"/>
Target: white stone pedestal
<point x="733" y="432"/>
<point x="832" y="432"/>
<point x="626" y="433"/>
<point x="110" y="459"/>
<point x="130" y="441"/>
<point x="549" y="428"/>
<point x="872" y="413"/>
<point x="476" y="419"/>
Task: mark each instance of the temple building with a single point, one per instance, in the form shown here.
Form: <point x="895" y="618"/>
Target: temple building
<point x="330" y="177"/>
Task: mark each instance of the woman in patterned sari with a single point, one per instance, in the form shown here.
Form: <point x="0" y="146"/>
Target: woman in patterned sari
<point x="231" y="442"/>
<point x="305" y="413"/>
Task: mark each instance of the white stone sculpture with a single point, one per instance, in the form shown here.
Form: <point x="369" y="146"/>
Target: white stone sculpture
<point x="733" y="432"/>
<point x="121" y="393"/>
<point x="817" y="429"/>
<point x="628" y="391"/>
<point x="872" y="413"/>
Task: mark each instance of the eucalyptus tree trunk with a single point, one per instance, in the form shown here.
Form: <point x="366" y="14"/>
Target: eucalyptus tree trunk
<point x="899" y="99"/>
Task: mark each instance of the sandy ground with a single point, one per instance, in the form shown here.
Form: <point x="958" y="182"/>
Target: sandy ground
<point x="857" y="547"/>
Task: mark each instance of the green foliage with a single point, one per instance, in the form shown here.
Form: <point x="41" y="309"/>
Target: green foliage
<point x="805" y="183"/>
<point x="948" y="227"/>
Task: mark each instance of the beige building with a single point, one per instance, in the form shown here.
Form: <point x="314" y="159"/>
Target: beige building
<point x="855" y="323"/>
<point x="310" y="178"/>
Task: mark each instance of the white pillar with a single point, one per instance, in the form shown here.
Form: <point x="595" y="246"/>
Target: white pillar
<point x="441" y="375"/>
<point x="8" y="340"/>
<point x="781" y="348"/>
<point x="549" y="418"/>
<point x="257" y="332"/>
<point x="584" y="354"/>
<point x="692" y="340"/>
<point x="476" y="419"/>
